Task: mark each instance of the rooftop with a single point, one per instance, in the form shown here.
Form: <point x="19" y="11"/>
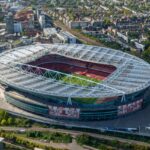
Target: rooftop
<point x="131" y="75"/>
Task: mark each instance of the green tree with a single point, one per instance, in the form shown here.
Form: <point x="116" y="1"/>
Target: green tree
<point x="10" y="121"/>
<point x="3" y="122"/>
<point x="17" y="121"/>
<point x="3" y="115"/>
<point x="83" y="139"/>
<point x="146" y="55"/>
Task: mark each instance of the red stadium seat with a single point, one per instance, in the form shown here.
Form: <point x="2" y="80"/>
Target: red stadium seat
<point x="68" y="65"/>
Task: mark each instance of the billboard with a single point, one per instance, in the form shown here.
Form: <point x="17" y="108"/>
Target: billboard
<point x="127" y="108"/>
<point x="64" y="112"/>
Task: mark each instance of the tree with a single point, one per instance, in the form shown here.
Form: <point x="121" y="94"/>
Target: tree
<point x="17" y="121"/>
<point x="3" y="115"/>
<point x="83" y="139"/>
<point x="3" y="122"/>
<point x="10" y="121"/>
<point x="106" y="22"/>
<point x="146" y="54"/>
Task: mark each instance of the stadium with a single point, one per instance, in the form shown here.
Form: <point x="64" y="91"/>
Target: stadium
<point x="74" y="81"/>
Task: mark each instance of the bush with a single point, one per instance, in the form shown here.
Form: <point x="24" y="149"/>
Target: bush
<point x="105" y="144"/>
<point x="7" y="119"/>
<point x="51" y="136"/>
<point x="146" y="55"/>
<point x="10" y="121"/>
<point x="17" y="140"/>
<point x="3" y="122"/>
<point x="83" y="139"/>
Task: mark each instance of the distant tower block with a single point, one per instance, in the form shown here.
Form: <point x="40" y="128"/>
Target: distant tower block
<point x="9" y="23"/>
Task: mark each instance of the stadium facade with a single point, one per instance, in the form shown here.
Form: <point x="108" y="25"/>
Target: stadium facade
<point x="74" y="81"/>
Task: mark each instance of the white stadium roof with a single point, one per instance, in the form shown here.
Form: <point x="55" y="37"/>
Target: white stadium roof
<point x="132" y="74"/>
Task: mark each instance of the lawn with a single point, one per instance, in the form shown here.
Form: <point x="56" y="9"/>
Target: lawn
<point x="80" y="80"/>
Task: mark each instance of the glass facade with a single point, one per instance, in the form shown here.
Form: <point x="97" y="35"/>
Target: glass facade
<point x="28" y="106"/>
<point x="107" y="110"/>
